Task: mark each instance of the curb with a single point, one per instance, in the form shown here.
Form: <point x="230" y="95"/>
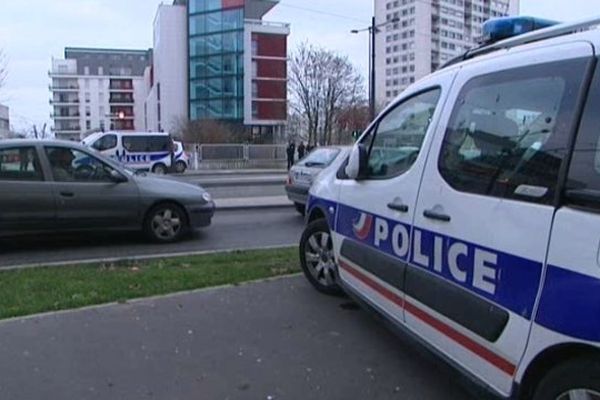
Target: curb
<point x="139" y="258"/>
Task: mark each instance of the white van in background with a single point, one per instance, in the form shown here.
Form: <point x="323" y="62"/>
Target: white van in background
<point x="148" y="151"/>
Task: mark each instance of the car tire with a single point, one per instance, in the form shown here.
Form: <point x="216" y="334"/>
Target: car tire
<point x="159" y="169"/>
<point x="317" y="258"/>
<point x="180" y="167"/>
<point x="301" y="208"/>
<point x="166" y="223"/>
<point x="570" y="379"/>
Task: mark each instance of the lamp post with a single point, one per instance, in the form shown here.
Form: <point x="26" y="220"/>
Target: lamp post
<point x="373" y="31"/>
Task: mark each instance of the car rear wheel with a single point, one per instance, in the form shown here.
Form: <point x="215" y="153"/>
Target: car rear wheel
<point x="578" y="379"/>
<point x="301" y="208"/>
<point x="317" y="258"/>
<point x="166" y="223"/>
<point x="159" y="169"/>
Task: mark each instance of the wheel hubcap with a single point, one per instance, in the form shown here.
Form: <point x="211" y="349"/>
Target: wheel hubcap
<point x="166" y="224"/>
<point x="579" y="394"/>
<point x="319" y="257"/>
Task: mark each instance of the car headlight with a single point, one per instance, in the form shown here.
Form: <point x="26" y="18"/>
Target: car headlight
<point x="206" y="197"/>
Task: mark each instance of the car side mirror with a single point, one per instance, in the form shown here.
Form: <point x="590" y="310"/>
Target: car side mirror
<point x="117" y="177"/>
<point x="357" y="162"/>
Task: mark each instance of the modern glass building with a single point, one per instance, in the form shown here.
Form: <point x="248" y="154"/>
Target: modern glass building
<point x="216" y="48"/>
<point x="237" y="65"/>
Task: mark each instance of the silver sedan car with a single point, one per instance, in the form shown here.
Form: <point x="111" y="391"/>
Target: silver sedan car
<point x="55" y="186"/>
<point x="304" y="172"/>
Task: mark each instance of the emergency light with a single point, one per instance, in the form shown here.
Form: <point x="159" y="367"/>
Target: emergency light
<point x="496" y="29"/>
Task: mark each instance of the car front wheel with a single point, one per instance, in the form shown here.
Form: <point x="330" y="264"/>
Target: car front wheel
<point x="317" y="258"/>
<point x="166" y="223"/>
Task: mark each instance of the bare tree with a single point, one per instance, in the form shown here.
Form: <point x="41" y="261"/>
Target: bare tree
<point x="203" y="131"/>
<point x="321" y="84"/>
<point x="40" y="133"/>
<point x="3" y="68"/>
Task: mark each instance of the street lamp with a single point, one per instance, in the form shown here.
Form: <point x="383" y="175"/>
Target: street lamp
<point x="373" y="30"/>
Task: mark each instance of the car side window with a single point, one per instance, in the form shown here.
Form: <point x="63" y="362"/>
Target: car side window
<point x="509" y="131"/>
<point x="72" y="165"/>
<point x="20" y="164"/>
<point x="398" y="136"/>
<point x="106" y="142"/>
<point x="584" y="170"/>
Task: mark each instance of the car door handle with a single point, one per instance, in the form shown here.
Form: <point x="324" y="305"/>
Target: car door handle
<point x="433" y="214"/>
<point x="67" y="194"/>
<point x="398" y="207"/>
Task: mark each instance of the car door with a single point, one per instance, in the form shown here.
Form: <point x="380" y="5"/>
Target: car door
<point x="26" y="199"/>
<point x="570" y="300"/>
<point x="375" y="212"/>
<point x="485" y="208"/>
<point x="88" y="197"/>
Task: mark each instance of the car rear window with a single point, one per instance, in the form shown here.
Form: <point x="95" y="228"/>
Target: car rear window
<point x="320" y="158"/>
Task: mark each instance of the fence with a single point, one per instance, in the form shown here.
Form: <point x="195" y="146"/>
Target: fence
<point x="236" y="156"/>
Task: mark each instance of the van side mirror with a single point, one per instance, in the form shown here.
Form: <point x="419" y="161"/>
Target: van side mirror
<point x="357" y="162"/>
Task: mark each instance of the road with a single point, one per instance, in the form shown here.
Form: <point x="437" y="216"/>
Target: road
<point x="276" y="340"/>
<point x="230" y="230"/>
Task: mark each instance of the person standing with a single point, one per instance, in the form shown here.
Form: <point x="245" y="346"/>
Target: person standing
<point x="301" y="151"/>
<point x="291" y="152"/>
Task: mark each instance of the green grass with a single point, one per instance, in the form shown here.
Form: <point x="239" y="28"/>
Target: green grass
<point x="35" y="290"/>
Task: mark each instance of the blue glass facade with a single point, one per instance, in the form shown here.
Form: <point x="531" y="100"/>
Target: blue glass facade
<point x="216" y="66"/>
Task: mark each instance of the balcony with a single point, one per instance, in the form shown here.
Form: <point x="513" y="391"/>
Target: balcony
<point x="64" y="117"/>
<point x="63" y="88"/>
<point x="64" y="102"/>
<point x="121" y="85"/>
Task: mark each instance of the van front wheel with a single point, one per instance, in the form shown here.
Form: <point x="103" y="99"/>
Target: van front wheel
<point x="159" y="169"/>
<point x="180" y="167"/>
<point x="575" y="379"/>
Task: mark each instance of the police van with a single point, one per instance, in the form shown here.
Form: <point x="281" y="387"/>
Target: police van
<point x="155" y="152"/>
<point x="468" y="213"/>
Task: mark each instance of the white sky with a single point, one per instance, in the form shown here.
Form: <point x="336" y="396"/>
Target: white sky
<point x="34" y="31"/>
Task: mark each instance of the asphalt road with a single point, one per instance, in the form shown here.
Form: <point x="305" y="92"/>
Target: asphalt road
<point x="230" y="230"/>
<point x="275" y="340"/>
<point x="227" y="192"/>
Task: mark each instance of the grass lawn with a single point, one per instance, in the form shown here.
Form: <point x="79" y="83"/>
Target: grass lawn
<point x="35" y="290"/>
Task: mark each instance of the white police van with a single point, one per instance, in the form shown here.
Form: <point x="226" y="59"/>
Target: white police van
<point x="468" y="213"/>
<point x="150" y="151"/>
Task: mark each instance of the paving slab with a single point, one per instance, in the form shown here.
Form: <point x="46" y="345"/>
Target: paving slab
<point x="276" y="339"/>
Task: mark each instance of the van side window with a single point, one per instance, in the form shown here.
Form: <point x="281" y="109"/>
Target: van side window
<point x="399" y="135"/>
<point x="508" y="133"/>
<point x="146" y="144"/>
<point x="106" y="142"/>
<point x="583" y="183"/>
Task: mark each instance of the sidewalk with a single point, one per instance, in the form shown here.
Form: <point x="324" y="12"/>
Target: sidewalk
<point x="201" y="172"/>
<point x="243" y="203"/>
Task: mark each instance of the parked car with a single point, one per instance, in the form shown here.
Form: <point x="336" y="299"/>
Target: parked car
<point x="144" y="151"/>
<point x="302" y="174"/>
<point x="52" y="186"/>
<point x="468" y="214"/>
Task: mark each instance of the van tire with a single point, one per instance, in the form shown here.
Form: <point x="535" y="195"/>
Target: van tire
<point x="159" y="169"/>
<point x="321" y="272"/>
<point x="180" y="167"/>
<point x="578" y="373"/>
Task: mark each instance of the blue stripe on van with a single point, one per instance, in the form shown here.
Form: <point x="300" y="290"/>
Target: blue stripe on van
<point x="570" y="304"/>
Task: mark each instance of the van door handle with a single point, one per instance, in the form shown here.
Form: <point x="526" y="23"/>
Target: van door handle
<point x="396" y="206"/>
<point x="433" y="214"/>
<point x="67" y="194"/>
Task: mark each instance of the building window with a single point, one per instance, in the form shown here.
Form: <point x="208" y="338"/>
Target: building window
<point x="100" y="70"/>
<point x="88" y="111"/>
<point x="86" y="70"/>
<point x="254" y="89"/>
<point x="87" y="97"/>
<point x="88" y="124"/>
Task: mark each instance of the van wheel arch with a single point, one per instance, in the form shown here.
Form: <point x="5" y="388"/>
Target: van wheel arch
<point x="315" y="214"/>
<point x="549" y="359"/>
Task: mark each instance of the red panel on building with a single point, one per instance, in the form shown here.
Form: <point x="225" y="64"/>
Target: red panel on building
<point x="272" y="110"/>
<point x="232" y="3"/>
<point x="271" y="89"/>
<point x="270" y="45"/>
<point x="271" y="69"/>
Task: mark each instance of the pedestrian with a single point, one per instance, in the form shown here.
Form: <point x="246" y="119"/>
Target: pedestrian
<point x="301" y="151"/>
<point x="291" y="152"/>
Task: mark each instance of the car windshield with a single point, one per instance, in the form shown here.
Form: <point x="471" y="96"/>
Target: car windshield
<point x="320" y="158"/>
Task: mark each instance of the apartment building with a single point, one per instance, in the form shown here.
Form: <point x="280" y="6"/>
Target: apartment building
<point x="421" y="35"/>
<point x="4" y="122"/>
<point x="98" y="89"/>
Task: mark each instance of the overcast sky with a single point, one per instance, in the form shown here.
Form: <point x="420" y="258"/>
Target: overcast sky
<point x="34" y="31"/>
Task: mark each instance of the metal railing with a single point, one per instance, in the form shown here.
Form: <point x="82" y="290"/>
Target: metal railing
<point x="236" y="156"/>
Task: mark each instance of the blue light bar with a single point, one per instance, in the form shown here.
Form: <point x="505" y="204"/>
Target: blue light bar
<point x="497" y="29"/>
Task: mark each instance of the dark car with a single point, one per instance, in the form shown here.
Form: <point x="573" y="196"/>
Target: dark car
<point x="61" y="186"/>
